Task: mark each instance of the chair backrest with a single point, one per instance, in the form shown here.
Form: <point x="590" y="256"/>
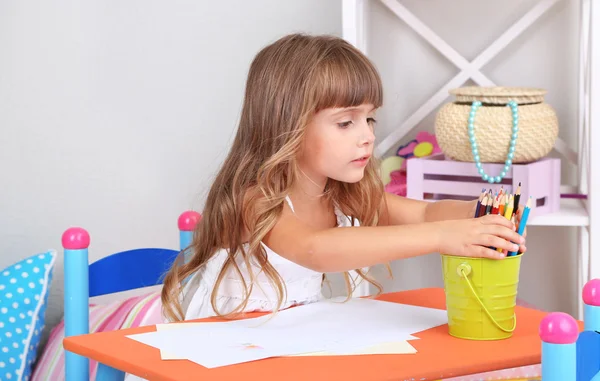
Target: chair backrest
<point x="118" y="272"/>
<point x="129" y="270"/>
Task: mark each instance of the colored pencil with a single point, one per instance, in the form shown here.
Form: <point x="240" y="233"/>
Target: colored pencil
<point x="488" y="207"/>
<point x="496" y="205"/>
<point x="523" y="222"/>
<point x="517" y="198"/>
<point x="507" y="214"/>
<point x="512" y="219"/>
<point x="483" y="206"/>
<point x="509" y="209"/>
<point x="501" y="206"/>
<point x="488" y="203"/>
<point x="479" y="203"/>
<point x="495" y="208"/>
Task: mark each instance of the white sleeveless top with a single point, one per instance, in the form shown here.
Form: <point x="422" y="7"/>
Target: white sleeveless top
<point x="302" y="284"/>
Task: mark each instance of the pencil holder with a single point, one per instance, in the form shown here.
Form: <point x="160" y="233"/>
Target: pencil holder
<point x="481" y="295"/>
<point x="507" y="125"/>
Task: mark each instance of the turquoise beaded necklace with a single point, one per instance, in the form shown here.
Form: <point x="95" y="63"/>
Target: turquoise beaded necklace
<point x="511" y="148"/>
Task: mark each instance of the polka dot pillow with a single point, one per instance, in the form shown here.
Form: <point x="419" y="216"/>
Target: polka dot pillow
<point x="24" y="289"/>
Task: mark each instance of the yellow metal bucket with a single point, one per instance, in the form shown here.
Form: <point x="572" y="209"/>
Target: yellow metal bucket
<point x="481" y="295"/>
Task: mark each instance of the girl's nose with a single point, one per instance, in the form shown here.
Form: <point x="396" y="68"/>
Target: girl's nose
<point x="367" y="136"/>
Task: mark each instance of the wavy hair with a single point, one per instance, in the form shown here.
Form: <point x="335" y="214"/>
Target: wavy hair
<point x="288" y="82"/>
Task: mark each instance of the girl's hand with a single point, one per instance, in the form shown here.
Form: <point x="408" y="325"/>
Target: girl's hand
<point x="476" y="237"/>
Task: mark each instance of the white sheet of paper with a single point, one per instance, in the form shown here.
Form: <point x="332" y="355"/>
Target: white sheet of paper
<point x="397" y="347"/>
<point x="219" y="345"/>
<point x="335" y="315"/>
<point x="329" y="326"/>
<point x="376" y="321"/>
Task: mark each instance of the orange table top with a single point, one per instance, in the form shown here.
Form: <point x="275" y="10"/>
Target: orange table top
<point x="438" y="356"/>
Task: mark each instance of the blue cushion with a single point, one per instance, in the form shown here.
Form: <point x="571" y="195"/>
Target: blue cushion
<point x="24" y="289"/>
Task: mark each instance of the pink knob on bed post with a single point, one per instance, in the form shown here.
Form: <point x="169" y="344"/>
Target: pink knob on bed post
<point x="76" y="242"/>
<point x="187" y="223"/>
<point x="559" y="332"/>
<point x="591" y="305"/>
<point x="187" y="220"/>
<point x="75" y="239"/>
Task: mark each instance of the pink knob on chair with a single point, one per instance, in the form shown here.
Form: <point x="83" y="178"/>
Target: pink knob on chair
<point x="187" y="220"/>
<point x="591" y="292"/>
<point x="75" y="239"/>
<point x="559" y="328"/>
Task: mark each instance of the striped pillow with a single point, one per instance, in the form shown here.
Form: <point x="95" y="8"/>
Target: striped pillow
<point x="131" y="312"/>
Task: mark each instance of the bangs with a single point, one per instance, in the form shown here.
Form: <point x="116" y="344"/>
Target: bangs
<point x="346" y="78"/>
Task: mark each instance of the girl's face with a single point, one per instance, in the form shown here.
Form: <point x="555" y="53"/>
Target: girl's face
<point x="338" y="144"/>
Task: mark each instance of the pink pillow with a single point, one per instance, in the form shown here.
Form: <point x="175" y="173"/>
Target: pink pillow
<point x="131" y="312"/>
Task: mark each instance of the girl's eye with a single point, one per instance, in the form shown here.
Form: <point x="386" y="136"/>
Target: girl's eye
<point x="371" y="121"/>
<point x="345" y="124"/>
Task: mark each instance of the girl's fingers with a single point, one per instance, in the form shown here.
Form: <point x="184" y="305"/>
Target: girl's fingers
<point x="505" y="233"/>
<point x="485" y="252"/>
<point x="491" y="240"/>
<point x="500" y="243"/>
<point x="496" y="219"/>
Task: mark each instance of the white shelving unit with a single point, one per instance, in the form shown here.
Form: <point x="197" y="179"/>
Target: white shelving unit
<point x="574" y="212"/>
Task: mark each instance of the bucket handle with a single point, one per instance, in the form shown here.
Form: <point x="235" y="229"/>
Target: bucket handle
<point x="465" y="269"/>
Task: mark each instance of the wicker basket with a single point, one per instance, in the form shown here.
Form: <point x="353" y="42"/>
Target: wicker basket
<point x="538" y="124"/>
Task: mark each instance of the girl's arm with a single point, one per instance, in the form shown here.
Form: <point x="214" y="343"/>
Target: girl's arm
<point x="400" y="210"/>
<point x="342" y="249"/>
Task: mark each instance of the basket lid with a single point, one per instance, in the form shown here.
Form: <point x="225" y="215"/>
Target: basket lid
<point x="498" y="94"/>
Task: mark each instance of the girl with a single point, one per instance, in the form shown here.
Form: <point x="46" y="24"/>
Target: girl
<point x="299" y="194"/>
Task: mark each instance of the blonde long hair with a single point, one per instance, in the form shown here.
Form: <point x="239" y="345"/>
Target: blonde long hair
<point x="288" y="82"/>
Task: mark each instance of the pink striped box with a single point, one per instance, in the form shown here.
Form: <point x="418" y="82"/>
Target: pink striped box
<point x="436" y="177"/>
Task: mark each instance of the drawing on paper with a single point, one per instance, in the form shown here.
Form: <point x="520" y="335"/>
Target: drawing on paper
<point x="250" y="346"/>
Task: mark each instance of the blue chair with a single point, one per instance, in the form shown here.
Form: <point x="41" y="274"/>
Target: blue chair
<point x="127" y="270"/>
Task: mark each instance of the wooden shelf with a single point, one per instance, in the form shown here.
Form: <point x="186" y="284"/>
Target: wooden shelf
<point x="572" y="213"/>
